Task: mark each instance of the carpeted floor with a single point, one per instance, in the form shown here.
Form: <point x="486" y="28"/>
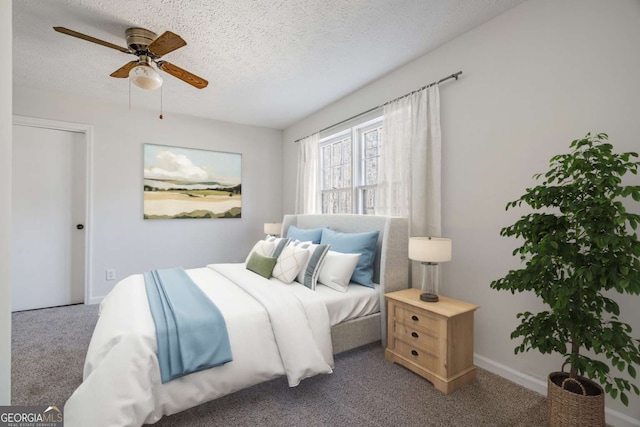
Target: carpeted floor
<point x="49" y="345"/>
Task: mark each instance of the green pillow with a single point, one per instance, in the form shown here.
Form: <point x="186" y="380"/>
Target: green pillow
<point x="261" y="264"/>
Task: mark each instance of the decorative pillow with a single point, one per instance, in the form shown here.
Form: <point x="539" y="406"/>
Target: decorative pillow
<point x="309" y="273"/>
<point x="312" y="235"/>
<point x="261" y="265"/>
<point x="297" y="243"/>
<point x="355" y="243"/>
<point x="269" y="247"/>
<point x="290" y="262"/>
<point x="337" y="269"/>
<point x="262" y="247"/>
<point x="280" y="242"/>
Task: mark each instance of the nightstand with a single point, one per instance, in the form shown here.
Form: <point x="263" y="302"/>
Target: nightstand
<point x="433" y="339"/>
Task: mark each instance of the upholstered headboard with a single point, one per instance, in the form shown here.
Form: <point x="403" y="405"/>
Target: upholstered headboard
<point x="391" y="266"/>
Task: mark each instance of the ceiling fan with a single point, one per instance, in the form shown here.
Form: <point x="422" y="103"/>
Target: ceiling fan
<point x="149" y="48"/>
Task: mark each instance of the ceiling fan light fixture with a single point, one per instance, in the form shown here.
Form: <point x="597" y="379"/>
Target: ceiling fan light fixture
<point x="145" y="77"/>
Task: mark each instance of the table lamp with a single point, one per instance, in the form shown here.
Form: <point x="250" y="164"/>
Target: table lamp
<point x="272" y="228"/>
<point x="430" y="251"/>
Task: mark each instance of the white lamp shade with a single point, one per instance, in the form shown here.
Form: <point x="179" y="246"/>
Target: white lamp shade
<point x="145" y="77"/>
<point x="430" y="249"/>
<point x="272" y="228"/>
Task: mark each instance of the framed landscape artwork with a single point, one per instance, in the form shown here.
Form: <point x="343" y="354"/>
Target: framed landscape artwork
<point x="191" y="183"/>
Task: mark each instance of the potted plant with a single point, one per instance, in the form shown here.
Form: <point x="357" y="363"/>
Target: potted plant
<point x="578" y="244"/>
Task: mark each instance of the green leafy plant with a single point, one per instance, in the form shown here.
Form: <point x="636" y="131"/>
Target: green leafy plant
<point x="579" y="244"/>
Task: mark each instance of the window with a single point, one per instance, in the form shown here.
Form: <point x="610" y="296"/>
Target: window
<point x="349" y="168"/>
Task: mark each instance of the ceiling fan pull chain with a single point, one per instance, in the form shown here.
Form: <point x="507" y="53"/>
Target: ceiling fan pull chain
<point x="161" y="103"/>
<point x="129" y="94"/>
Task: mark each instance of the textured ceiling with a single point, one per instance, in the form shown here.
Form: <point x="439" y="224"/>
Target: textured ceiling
<point x="268" y="62"/>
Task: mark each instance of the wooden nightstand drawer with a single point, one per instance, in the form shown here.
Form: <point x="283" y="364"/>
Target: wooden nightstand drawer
<point x="404" y="314"/>
<point x="409" y="334"/>
<point x="424" y="358"/>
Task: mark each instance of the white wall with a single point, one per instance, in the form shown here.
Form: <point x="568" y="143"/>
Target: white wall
<point x="5" y="202"/>
<point x="120" y="238"/>
<point x="535" y="78"/>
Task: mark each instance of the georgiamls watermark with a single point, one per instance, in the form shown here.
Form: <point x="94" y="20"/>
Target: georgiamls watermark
<point x="31" y="416"/>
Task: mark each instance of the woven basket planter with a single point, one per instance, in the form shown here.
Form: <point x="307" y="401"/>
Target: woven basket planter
<point x="574" y="402"/>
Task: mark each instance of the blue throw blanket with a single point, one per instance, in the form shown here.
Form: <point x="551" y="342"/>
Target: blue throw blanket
<point x="191" y="332"/>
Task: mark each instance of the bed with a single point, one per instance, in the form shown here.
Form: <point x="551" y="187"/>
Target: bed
<point x="274" y="330"/>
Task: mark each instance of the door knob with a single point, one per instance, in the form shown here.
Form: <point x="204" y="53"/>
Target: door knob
<point x="79" y="226"/>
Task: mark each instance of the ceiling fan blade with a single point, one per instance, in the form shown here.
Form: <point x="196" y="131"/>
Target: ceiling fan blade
<point x="123" y="72"/>
<point x="167" y="42"/>
<point x="184" y="75"/>
<point x="90" y="39"/>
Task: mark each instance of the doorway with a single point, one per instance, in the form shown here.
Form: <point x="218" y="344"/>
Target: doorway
<point x="49" y="214"/>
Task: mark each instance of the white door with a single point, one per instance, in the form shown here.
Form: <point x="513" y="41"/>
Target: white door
<point x="48" y="212"/>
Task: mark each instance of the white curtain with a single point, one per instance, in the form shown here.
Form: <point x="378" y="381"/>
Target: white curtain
<point x="410" y="166"/>
<point x="308" y="177"/>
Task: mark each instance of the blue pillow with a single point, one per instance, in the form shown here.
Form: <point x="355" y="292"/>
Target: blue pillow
<point x="355" y="243"/>
<point x="309" y="235"/>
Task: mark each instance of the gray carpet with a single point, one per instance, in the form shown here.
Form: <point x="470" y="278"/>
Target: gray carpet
<point x="48" y="349"/>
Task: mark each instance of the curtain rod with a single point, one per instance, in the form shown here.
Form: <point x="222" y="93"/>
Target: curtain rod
<point x="452" y="76"/>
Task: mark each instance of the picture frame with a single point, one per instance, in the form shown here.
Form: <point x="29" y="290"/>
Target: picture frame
<point x="191" y="183"/>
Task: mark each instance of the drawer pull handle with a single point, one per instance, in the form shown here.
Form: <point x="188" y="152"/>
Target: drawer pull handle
<point x="414" y="334"/>
<point x="415" y="318"/>
<point x="415" y="353"/>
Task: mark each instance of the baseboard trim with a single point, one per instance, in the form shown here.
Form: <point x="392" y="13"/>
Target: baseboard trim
<point x="520" y="378"/>
<point x="613" y="417"/>
<point x="98" y="300"/>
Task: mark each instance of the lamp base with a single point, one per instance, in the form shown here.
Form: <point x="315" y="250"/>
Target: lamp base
<point x="429" y="297"/>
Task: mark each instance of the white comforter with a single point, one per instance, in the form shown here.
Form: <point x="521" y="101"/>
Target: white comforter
<point x="274" y="329"/>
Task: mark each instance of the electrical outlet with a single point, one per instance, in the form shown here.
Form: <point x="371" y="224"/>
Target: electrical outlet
<point x="110" y="274"/>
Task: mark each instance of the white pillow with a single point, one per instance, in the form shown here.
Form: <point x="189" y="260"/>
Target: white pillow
<point x="290" y="262"/>
<point x="337" y="270"/>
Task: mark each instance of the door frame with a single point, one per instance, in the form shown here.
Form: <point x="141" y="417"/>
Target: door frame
<point x="87" y="130"/>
